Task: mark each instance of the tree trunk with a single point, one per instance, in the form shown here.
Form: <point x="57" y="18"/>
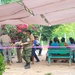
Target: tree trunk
<point x="48" y="40"/>
<point x="65" y="37"/>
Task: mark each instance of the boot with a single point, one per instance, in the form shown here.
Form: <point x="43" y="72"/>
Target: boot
<point x="27" y="66"/>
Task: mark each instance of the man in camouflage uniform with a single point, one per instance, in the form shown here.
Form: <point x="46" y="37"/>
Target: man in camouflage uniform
<point x="26" y="54"/>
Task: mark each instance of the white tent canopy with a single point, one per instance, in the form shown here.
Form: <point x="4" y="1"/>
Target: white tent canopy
<point x="54" y="11"/>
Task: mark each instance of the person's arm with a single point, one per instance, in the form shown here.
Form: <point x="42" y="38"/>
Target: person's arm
<point x="32" y="39"/>
<point x="24" y="43"/>
<point x="66" y="44"/>
<point x="28" y="41"/>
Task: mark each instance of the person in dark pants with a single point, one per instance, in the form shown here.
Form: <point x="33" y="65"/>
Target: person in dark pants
<point x="38" y="46"/>
<point x="35" y="55"/>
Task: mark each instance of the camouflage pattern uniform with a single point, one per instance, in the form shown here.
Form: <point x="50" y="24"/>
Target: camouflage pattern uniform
<point x="26" y="54"/>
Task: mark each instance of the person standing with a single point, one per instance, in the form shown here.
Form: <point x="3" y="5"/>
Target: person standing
<point x="26" y="54"/>
<point x="37" y="43"/>
<point x="6" y="40"/>
<point x="18" y="49"/>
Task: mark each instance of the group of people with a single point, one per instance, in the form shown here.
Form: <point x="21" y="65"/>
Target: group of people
<point x="28" y="43"/>
<point x="62" y="44"/>
<point x="26" y="47"/>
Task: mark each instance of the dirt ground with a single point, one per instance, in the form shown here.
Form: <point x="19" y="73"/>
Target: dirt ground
<point x="40" y="68"/>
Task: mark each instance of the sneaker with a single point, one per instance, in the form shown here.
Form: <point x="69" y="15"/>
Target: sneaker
<point x="38" y="61"/>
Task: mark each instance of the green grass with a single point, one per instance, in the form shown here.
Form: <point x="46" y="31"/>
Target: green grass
<point x="48" y="74"/>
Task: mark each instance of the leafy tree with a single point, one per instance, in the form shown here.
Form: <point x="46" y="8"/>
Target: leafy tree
<point x="35" y="29"/>
<point x="2" y="65"/>
<point x="7" y="1"/>
<point x="64" y="30"/>
<point x="47" y="32"/>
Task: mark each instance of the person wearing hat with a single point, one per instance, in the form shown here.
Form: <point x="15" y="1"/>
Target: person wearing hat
<point x="26" y="54"/>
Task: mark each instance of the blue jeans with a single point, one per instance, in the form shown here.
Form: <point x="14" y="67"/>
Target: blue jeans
<point x="34" y="54"/>
<point x="40" y="50"/>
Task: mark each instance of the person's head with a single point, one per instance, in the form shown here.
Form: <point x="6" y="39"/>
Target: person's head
<point x="36" y="37"/>
<point x="72" y="41"/>
<point x="29" y="32"/>
<point x="56" y="39"/>
<point x="24" y="31"/>
<point x="70" y="38"/>
<point x="62" y="39"/>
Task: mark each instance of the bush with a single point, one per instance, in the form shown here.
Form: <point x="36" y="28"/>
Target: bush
<point x="2" y="65"/>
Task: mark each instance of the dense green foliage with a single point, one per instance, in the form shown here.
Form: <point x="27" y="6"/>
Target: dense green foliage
<point x="65" y="30"/>
<point x="2" y="65"/>
<point x="62" y="30"/>
<point x="46" y="32"/>
<point x="7" y="1"/>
